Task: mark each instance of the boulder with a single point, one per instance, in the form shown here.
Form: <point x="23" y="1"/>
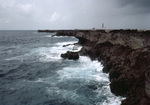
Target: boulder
<point x="70" y="55"/>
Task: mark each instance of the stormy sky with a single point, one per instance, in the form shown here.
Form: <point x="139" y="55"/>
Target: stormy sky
<point x="74" y="14"/>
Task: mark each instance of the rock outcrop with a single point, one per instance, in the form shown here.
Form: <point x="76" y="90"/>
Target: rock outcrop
<point x="70" y="55"/>
<point x="125" y="54"/>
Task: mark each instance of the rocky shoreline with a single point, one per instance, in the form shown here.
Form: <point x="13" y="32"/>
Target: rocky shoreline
<point x="125" y="55"/>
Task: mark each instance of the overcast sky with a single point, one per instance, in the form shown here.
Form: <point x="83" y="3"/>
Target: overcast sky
<point x="74" y="14"/>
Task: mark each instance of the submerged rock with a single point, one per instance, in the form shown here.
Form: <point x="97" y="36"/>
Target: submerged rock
<point x="70" y="55"/>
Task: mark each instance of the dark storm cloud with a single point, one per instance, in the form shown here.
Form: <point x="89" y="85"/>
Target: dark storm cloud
<point x="142" y="4"/>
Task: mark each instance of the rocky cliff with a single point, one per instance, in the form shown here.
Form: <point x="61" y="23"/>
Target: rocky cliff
<point x="125" y="54"/>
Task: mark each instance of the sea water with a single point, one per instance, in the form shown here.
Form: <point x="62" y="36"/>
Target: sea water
<point x="33" y="73"/>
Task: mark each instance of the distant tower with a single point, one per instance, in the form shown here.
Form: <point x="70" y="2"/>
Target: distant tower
<point x="102" y="25"/>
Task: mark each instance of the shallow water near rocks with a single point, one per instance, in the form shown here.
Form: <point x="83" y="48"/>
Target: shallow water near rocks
<point x="33" y="73"/>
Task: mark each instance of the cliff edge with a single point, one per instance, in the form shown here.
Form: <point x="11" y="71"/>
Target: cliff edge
<point x="125" y="54"/>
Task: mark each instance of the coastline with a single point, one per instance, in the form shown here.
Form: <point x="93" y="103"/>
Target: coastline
<point x="125" y="55"/>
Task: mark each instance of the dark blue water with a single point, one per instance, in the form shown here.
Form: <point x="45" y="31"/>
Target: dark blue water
<point x="33" y="73"/>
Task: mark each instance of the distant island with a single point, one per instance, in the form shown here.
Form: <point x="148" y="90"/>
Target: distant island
<point x="125" y="55"/>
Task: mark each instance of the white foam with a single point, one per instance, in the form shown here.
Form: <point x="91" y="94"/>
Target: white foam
<point x="45" y="54"/>
<point x="53" y="53"/>
<point x="86" y="70"/>
<point x="112" y="101"/>
<point x="83" y="70"/>
<point x="48" y="36"/>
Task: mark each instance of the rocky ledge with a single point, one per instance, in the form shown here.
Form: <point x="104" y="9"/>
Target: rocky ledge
<point x="125" y="54"/>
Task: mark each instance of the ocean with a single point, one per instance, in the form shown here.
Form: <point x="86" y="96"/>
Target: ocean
<point x="33" y="73"/>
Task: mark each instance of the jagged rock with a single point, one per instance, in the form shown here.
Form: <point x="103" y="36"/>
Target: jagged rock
<point x="70" y="55"/>
<point x="68" y="45"/>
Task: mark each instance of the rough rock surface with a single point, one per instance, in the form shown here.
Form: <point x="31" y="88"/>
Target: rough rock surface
<point x="70" y="55"/>
<point x="125" y="54"/>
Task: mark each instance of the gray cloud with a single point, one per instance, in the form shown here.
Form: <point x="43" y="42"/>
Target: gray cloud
<point x="72" y="14"/>
<point x="136" y="3"/>
<point x="135" y="6"/>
